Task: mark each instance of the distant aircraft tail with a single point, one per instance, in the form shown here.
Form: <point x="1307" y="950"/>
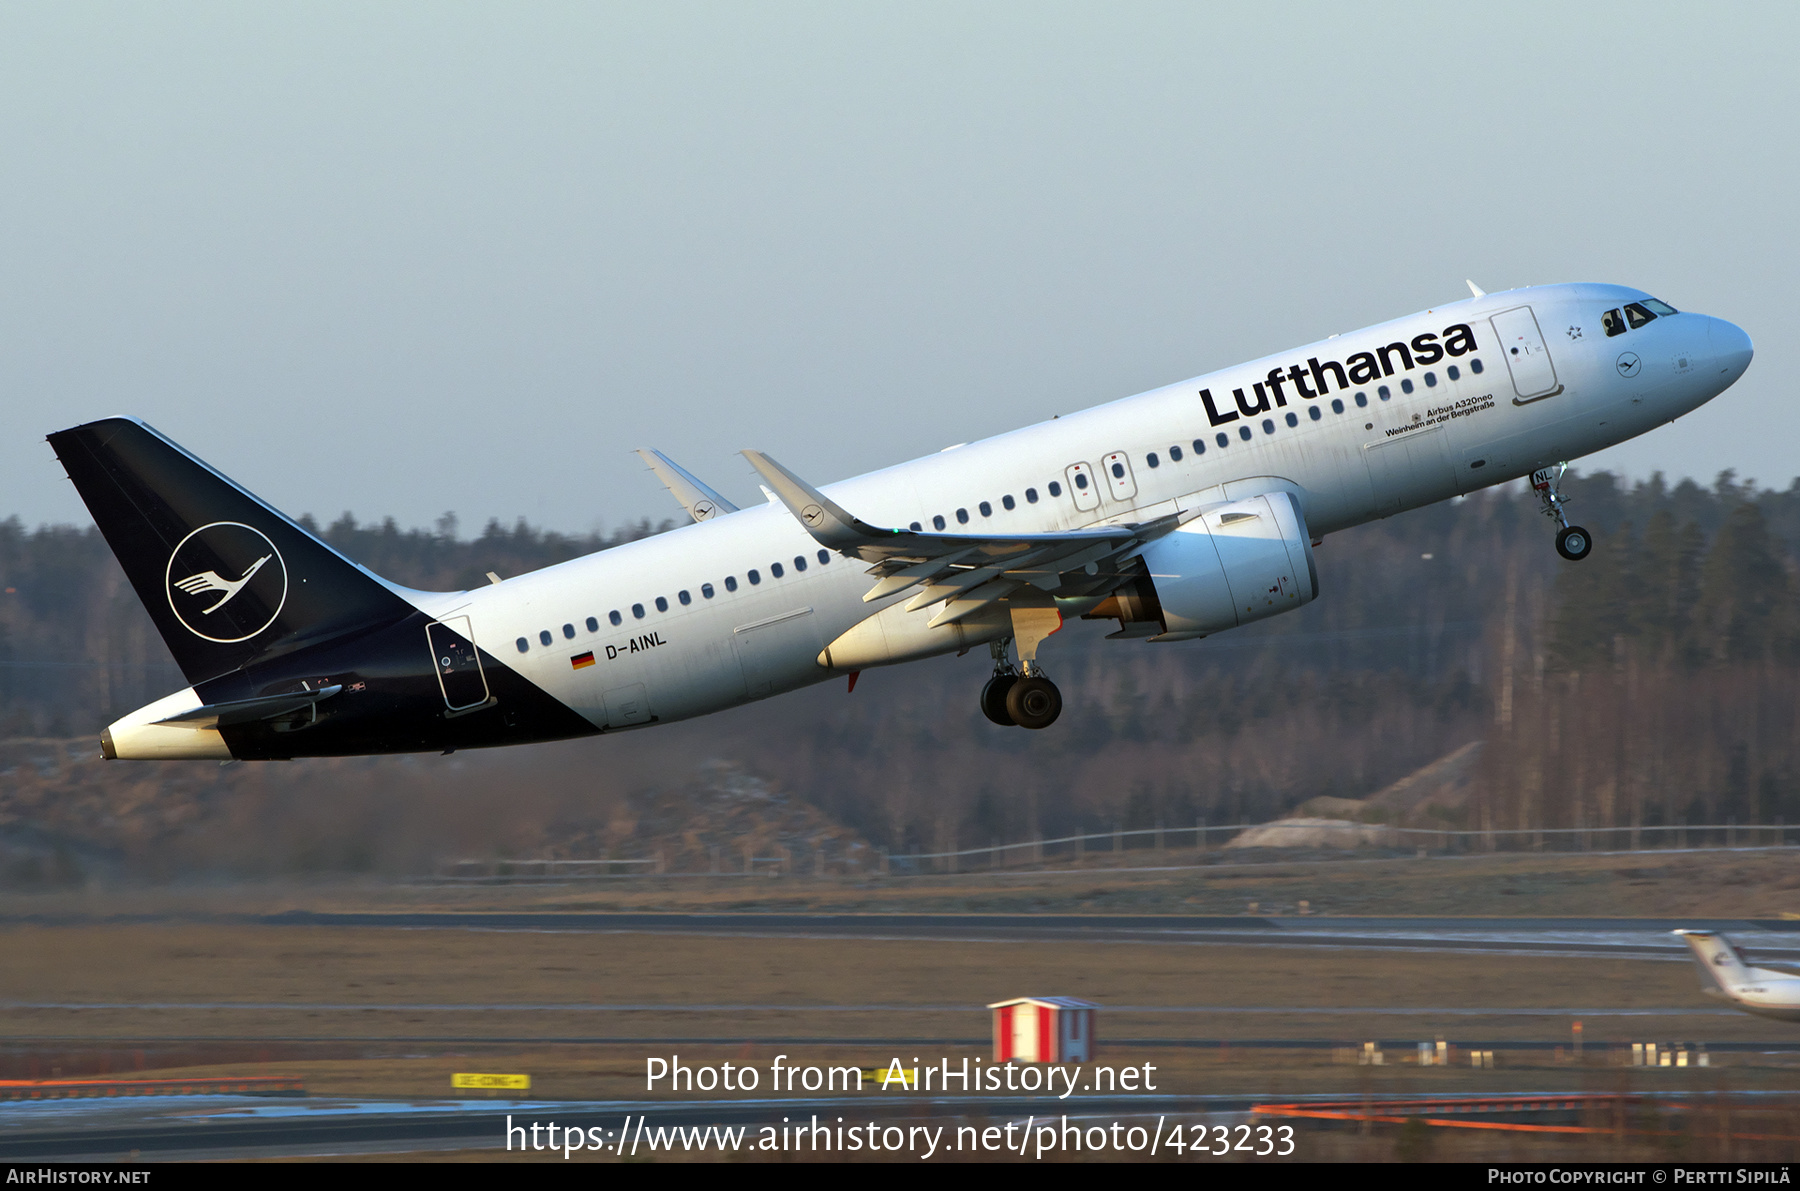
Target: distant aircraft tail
<point x="225" y="578"/>
<point x="1722" y="968"/>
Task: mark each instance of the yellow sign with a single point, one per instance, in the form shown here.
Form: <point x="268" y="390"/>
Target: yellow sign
<point x="889" y="1077"/>
<point x="466" y="1080"/>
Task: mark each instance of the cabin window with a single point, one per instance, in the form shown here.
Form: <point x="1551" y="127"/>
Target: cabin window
<point x="1222" y="440"/>
<point x="1055" y="488"/>
<point x="1008" y="503"/>
<point x="799" y="562"/>
<point x="915" y="527"/>
<point x="1337" y="405"/>
<point x="662" y="603"/>
<point x="824" y="557"/>
<point x="706" y="591"/>
<point x="731" y="583"/>
<point x="1383" y="391"/>
<point x="683" y="598"/>
<point x="569" y="631"/>
<point x="937" y="522"/>
<point x="1613" y="322"/>
<point x="593" y="625"/>
<point x="615" y="617"/>
<point x="1081" y="479"/>
<point x="1174" y="454"/>
<point x="1406" y="385"/>
<point x="637" y="611"/>
<point x="1312" y="411"/>
<point x="1431" y="380"/>
<point x="1475" y="366"/>
<point x="753" y="577"/>
<point x="544" y="636"/>
<point x="524" y="645"/>
<point x="987" y="510"/>
<point x="1293" y="419"/>
<point x="1268" y="426"/>
<point x="1657" y="307"/>
<point x="962" y="516"/>
<point x="1151" y="459"/>
<point x="1637" y="316"/>
<point x="1244" y="433"/>
<point x="1454" y="371"/>
<point x="775" y="570"/>
<point x="1199" y="446"/>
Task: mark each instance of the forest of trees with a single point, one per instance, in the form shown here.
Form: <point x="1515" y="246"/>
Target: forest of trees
<point x="1657" y="682"/>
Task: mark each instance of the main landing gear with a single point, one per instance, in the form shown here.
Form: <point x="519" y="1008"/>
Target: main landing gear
<point x="1028" y="700"/>
<point x="1572" y="541"/>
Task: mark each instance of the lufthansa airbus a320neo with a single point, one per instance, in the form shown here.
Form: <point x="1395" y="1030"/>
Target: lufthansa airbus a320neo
<point x="1180" y="512"/>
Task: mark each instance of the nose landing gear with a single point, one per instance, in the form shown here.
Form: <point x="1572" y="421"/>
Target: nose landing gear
<point x="1027" y="700"/>
<point x="1572" y="541"/>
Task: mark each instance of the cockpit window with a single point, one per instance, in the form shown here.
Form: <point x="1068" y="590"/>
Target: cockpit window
<point x="1659" y="307"/>
<point x="1614" y="322"/>
<point x="1637" y="316"/>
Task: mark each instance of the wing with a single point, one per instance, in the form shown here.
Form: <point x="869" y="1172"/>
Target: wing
<point x="700" y="501"/>
<point x="966" y="572"/>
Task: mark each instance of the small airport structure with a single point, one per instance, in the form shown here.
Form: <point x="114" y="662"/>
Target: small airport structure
<point x="1043" y="1030"/>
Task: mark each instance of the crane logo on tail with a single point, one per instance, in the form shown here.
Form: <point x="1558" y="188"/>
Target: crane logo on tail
<point x="226" y="582"/>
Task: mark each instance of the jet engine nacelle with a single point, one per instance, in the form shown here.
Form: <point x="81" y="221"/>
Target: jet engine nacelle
<point x="1233" y="564"/>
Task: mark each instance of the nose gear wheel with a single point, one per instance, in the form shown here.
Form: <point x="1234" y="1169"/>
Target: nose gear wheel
<point x="1572" y="541"/>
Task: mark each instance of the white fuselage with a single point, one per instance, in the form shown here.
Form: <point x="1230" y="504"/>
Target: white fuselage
<point x="1406" y="438"/>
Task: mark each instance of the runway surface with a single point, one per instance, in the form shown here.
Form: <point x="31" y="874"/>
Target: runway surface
<point x="1640" y="938"/>
<point x="1579" y="936"/>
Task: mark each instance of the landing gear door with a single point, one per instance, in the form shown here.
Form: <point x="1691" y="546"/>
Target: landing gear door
<point x="1533" y="373"/>
<point x="1081" y="486"/>
<point x="458" y="663"/>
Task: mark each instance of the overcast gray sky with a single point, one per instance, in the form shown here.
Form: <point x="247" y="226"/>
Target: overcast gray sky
<point x="399" y="259"/>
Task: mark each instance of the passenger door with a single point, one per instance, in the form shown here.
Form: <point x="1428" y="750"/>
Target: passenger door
<point x="1533" y="372"/>
<point x="458" y="663"/>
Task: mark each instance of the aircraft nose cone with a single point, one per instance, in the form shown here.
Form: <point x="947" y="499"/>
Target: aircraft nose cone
<point x="1732" y="348"/>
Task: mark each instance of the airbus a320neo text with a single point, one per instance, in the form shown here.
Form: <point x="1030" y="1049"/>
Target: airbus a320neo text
<point x="1177" y="513"/>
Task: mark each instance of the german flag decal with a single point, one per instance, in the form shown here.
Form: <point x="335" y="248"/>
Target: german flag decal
<point x="581" y="659"/>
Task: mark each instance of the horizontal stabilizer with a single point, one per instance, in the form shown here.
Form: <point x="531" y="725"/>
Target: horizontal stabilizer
<point x="701" y="502"/>
<point x="246" y="711"/>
